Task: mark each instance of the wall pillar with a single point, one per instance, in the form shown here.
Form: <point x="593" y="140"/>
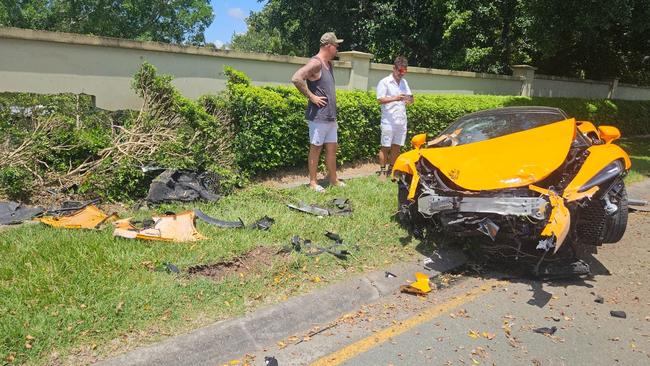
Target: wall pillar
<point x="528" y="74"/>
<point x="360" y="68"/>
<point x="612" y="89"/>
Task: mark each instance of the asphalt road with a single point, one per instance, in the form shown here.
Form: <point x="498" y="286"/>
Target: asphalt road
<point x="482" y="319"/>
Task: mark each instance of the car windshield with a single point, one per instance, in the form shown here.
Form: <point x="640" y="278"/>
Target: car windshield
<point x="484" y="126"/>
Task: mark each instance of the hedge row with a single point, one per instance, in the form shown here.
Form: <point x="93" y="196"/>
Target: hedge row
<point x="272" y="132"/>
<point x="268" y="124"/>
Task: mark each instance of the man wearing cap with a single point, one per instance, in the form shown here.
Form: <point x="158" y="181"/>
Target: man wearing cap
<point x="393" y="93"/>
<point x="316" y="81"/>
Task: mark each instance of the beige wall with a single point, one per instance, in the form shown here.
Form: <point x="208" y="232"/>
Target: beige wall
<point x="40" y="62"/>
<point x="423" y="80"/>
<point x="52" y="62"/>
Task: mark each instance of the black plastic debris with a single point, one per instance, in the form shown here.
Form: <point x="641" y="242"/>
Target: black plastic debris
<point x="618" y="314"/>
<point x="70" y="207"/>
<point x="12" y="213"/>
<point x="183" y="185"/>
<point x="219" y="223"/>
<point x="546" y="330"/>
<point x="336" y="207"/>
<point x="270" y="361"/>
<point x="389" y="274"/>
<point x="311" y="250"/>
<point x="599" y="299"/>
<point x="263" y="224"/>
<point x="167" y="267"/>
<point x="310" y="209"/>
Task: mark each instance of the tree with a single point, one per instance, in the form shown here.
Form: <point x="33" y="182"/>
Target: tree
<point x="577" y="38"/>
<point x="171" y="21"/>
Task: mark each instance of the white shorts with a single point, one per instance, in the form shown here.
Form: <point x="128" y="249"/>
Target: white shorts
<point x="322" y="133"/>
<point x="393" y="135"/>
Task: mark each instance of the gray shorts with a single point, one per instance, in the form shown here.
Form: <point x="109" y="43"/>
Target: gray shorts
<point x="322" y="133"/>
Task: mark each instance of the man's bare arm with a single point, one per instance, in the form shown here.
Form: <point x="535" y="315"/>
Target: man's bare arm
<point x="299" y="79"/>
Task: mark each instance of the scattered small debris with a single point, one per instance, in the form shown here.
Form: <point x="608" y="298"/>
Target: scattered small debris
<point x="546" y="330"/>
<point x="618" y="314"/>
<point x="389" y="275"/>
<point x="599" y="299"/>
<point x="270" y="361"/>
<point x="420" y="287"/>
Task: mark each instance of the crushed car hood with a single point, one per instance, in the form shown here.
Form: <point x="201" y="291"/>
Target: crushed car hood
<point x="509" y="161"/>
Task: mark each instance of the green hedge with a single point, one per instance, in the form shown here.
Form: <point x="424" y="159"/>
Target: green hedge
<point x="267" y="123"/>
<point x="272" y="132"/>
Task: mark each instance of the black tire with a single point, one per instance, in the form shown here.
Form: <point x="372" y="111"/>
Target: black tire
<point x="616" y="224"/>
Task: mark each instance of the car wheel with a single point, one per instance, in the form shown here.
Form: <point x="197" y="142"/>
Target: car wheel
<point x="616" y="223"/>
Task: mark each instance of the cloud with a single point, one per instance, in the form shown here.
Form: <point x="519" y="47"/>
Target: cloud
<point x="218" y="43"/>
<point x="236" y="13"/>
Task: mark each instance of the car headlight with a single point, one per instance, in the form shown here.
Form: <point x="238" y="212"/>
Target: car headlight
<point x="612" y="170"/>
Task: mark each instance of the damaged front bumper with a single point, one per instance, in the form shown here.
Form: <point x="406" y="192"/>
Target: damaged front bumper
<point x="547" y="210"/>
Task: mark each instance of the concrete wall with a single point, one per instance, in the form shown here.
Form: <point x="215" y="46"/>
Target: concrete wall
<point x="553" y="86"/>
<point x="52" y="62"/>
<point x="423" y="80"/>
<point x="48" y="62"/>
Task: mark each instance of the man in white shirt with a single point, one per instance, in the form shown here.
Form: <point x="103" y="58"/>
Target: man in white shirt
<point x="393" y="93"/>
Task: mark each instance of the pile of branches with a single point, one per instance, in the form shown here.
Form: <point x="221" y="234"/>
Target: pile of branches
<point x="169" y="131"/>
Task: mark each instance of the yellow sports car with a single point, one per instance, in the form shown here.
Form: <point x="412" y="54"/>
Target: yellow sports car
<point x="530" y="181"/>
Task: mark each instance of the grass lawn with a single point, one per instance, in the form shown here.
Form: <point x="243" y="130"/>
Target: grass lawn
<point x="77" y="294"/>
<point x="70" y="292"/>
<point x="639" y="150"/>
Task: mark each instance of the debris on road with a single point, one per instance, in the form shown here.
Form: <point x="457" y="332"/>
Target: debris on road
<point x="389" y="274"/>
<point x="420" y="287"/>
<point x="618" y="314"/>
<point x="546" y="330"/>
<point x="599" y="299"/>
<point x="270" y="361"/>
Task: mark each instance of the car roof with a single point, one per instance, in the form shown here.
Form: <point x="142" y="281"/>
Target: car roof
<point x="515" y="110"/>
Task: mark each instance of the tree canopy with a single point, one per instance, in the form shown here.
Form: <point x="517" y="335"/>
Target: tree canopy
<point x="594" y="39"/>
<point x="171" y="21"/>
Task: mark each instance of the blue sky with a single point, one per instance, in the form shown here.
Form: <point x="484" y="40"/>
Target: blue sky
<point x="229" y="18"/>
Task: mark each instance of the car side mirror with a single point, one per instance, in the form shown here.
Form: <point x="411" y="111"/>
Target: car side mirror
<point x="608" y="133"/>
<point x="418" y="140"/>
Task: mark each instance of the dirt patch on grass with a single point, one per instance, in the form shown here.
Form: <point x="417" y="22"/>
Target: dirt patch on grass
<point x="258" y="257"/>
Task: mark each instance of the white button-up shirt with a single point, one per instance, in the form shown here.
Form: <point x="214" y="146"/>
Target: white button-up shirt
<point x="393" y="113"/>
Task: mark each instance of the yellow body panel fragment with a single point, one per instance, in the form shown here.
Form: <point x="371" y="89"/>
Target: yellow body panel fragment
<point x="178" y="228"/>
<point x="89" y="217"/>
<point x="559" y="220"/>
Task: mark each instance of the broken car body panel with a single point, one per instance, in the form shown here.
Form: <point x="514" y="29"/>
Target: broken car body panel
<point x="532" y="173"/>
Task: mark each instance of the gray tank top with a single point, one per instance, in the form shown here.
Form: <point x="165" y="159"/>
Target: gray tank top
<point x="323" y="87"/>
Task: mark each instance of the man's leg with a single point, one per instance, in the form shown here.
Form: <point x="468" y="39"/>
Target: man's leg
<point x="394" y="153"/>
<point x="312" y="162"/>
<point x="384" y="157"/>
<point x="330" y="161"/>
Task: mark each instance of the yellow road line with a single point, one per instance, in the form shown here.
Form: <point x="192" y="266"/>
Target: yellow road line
<point x="382" y="336"/>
